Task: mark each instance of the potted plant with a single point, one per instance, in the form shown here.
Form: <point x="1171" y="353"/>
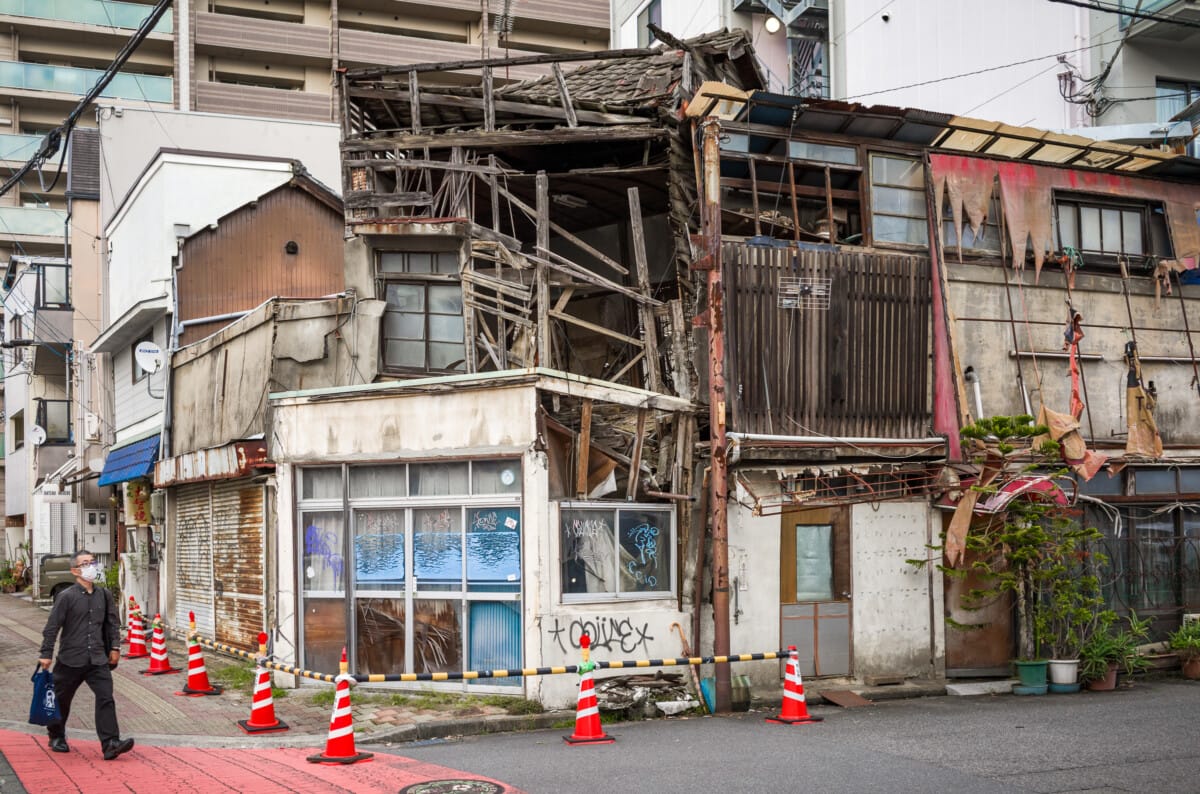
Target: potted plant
<point x="1072" y="600"/>
<point x="1185" y="641"/>
<point x="1112" y="648"/>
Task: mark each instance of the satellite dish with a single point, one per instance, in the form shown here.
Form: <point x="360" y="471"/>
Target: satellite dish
<point x="37" y="435"/>
<point x="96" y="464"/>
<point x="149" y="356"/>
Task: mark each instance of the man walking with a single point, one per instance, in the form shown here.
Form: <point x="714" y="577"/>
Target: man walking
<point x="89" y="650"/>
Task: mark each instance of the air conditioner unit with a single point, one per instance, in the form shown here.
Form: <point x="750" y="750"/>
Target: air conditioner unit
<point x="1190" y="617"/>
<point x="91" y="426"/>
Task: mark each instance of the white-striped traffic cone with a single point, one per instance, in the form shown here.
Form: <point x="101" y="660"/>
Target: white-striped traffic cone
<point x="137" y="638"/>
<point x="794" y="710"/>
<point x="197" y="680"/>
<point x="339" y="748"/>
<point x="262" y="706"/>
<point x="587" y="714"/>
<point x="159" y="663"/>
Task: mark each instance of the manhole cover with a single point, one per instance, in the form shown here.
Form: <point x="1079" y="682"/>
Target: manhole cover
<point x="453" y="787"/>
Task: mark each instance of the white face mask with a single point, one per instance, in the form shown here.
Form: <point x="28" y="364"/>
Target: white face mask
<point x="90" y="573"/>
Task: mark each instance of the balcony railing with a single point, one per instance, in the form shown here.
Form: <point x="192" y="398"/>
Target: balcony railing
<point x="88" y="12"/>
<point x="1147" y="7"/>
<point x="74" y="80"/>
<point x="21" y="147"/>
<point x="32" y="221"/>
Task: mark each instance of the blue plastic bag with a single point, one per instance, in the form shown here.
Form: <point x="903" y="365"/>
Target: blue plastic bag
<point x="44" y="708"/>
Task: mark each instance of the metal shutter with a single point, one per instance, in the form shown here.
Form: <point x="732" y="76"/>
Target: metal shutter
<point x="193" y="557"/>
<point x="238" y="561"/>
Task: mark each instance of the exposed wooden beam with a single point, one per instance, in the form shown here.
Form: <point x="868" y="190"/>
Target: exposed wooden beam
<point x="646" y="313"/>
<point x="564" y="95"/>
<point x="482" y="104"/>
<point x="505" y="138"/>
<point x="542" y="219"/>
<point x="582" y="449"/>
<point x="414" y="103"/>
<point x="489" y="101"/>
<point x="376" y="72"/>
<point x="599" y="329"/>
<point x="635" y="467"/>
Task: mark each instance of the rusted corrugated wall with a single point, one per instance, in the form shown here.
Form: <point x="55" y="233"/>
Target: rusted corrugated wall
<point x="846" y="352"/>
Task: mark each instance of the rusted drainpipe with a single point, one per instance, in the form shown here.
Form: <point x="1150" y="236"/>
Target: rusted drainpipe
<point x="710" y="215"/>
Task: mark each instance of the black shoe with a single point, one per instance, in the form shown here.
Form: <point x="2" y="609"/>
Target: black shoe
<point x="116" y="747"/>
<point x="59" y="744"/>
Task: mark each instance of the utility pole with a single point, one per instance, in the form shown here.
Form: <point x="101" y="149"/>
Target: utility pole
<point x="710" y="224"/>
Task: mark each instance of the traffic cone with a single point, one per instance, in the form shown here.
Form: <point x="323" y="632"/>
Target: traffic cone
<point x="587" y="714"/>
<point x="159" y="664"/>
<point x="137" y="638"/>
<point x="131" y="610"/>
<point x="795" y="710"/>
<point x="339" y="748"/>
<point x="262" y="706"/>
<point x="197" y="680"/>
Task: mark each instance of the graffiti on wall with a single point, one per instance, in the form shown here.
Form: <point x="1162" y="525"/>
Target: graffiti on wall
<point x="611" y="634"/>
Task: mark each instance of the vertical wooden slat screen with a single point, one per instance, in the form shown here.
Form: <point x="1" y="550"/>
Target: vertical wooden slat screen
<point x="860" y="368"/>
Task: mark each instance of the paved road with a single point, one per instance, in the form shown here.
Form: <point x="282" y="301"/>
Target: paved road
<point x="1144" y="739"/>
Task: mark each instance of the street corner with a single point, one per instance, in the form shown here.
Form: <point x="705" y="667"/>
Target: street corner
<point x="155" y="770"/>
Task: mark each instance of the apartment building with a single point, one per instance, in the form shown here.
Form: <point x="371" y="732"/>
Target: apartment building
<point x="268" y="59"/>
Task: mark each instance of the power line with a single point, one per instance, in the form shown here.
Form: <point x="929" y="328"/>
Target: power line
<point x="977" y="71"/>
<point x="1097" y="6"/>
<point x="55" y="138"/>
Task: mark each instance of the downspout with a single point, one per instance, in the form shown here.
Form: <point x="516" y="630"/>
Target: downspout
<point x="718" y="495"/>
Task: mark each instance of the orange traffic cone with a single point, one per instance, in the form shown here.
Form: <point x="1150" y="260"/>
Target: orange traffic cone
<point x="795" y="710"/>
<point x="130" y="611"/>
<point x="137" y="638"/>
<point x="339" y="748"/>
<point x="587" y="714"/>
<point x="159" y="664"/>
<point x="197" y="680"/>
<point x="262" y="706"/>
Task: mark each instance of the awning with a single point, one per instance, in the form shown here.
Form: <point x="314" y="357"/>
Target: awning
<point x="1035" y="486"/>
<point x="130" y="461"/>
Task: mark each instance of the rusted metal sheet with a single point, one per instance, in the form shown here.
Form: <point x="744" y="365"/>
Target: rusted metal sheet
<point x="192" y="514"/>
<point x="221" y="463"/>
<point x="293" y="237"/>
<point x="859" y="368"/>
<point x="238" y="561"/>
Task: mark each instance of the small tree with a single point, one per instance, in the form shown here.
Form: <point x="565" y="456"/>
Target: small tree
<point x="1031" y="549"/>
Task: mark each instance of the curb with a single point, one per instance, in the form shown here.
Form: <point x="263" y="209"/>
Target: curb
<point x="442" y="729"/>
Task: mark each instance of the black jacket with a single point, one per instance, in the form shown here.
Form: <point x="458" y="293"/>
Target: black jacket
<point x="89" y="624"/>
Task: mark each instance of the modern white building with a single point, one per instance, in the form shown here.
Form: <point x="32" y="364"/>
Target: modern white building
<point x="1033" y="63"/>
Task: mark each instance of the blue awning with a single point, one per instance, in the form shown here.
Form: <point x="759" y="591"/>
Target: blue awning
<point x="130" y="461"/>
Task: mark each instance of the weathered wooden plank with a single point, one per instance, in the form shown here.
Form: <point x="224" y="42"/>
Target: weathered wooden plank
<point x="542" y="219"/>
<point x="649" y="326"/>
<point x="378" y="164"/>
<point x="583" y="449"/>
<point x="505" y="138"/>
<point x="489" y="101"/>
<point x="414" y="103"/>
<point x="635" y="467"/>
<point x="356" y="199"/>
<point x="599" y="329"/>
<point x="564" y="95"/>
<point x="484" y="106"/>
<point x="377" y="72"/>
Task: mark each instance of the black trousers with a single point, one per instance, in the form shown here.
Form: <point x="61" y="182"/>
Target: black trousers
<point x="67" y="681"/>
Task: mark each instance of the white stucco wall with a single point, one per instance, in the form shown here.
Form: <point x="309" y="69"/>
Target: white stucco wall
<point x="188" y="190"/>
<point x="896" y="620"/>
<point x="932" y="40"/>
<point x="681" y="19"/>
<point x="754" y="562"/>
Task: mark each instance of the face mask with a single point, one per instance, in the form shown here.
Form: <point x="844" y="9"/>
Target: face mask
<point x="90" y="573"/>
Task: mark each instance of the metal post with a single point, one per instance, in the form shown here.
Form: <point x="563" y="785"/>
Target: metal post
<point x="718" y="499"/>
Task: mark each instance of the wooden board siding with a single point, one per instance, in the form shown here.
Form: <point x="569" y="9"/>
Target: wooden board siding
<point x="243" y="261"/>
<point x="238" y="562"/>
<point x="860" y="368"/>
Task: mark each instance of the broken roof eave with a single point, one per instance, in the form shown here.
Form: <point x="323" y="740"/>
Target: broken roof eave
<point x="542" y="378"/>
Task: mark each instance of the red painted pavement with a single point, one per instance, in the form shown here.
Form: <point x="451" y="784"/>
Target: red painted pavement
<point x="163" y="770"/>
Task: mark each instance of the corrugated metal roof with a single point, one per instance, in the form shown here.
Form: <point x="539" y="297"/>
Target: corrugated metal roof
<point x="130" y="461"/>
<point x="219" y="463"/>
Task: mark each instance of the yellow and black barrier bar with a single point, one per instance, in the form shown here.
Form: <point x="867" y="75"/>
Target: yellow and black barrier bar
<point x="471" y="675"/>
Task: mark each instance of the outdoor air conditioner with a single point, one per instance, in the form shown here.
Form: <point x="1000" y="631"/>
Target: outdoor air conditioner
<point x="1188" y="617"/>
<point x="91" y="426"/>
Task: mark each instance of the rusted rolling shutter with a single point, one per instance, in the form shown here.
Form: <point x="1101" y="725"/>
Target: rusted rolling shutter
<point x="238" y="561"/>
<point x="193" y="557"/>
